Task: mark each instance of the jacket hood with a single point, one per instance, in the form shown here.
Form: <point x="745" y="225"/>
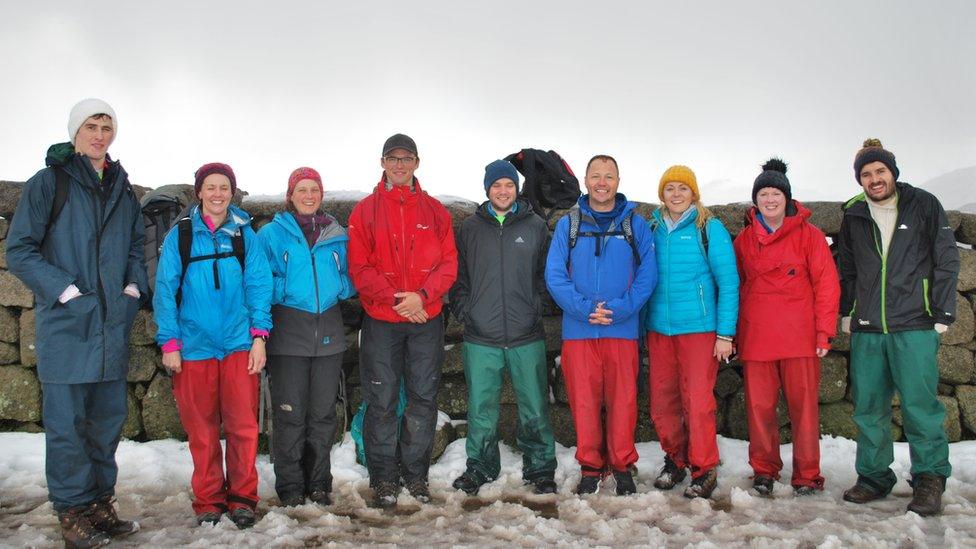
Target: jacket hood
<point x="60" y="154"/>
<point x="236" y="218"/>
<point x="790" y="222"/>
<point x="288" y="222"/>
<point x="621" y="206"/>
<point x="858" y="205"/>
<point x="524" y="210"/>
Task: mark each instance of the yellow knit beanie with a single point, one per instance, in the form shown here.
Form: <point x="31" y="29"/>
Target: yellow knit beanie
<point x="678" y="174"/>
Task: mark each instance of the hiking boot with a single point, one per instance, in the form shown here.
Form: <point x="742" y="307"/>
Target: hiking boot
<point x="862" y="493"/>
<point x="670" y="475"/>
<point x="625" y="483"/>
<point x="78" y="530"/>
<point x="544" y="485"/>
<point x="763" y="485"/>
<point x="320" y="497"/>
<point x="104" y="518"/>
<point x="801" y="491"/>
<point x="927" y="494"/>
<point x="703" y="486"/>
<point x="243" y="517"/>
<point x="385" y="494"/>
<point x="211" y="518"/>
<point x="291" y="499"/>
<point x="588" y="485"/>
<point x="419" y="490"/>
<point x="467" y="483"/>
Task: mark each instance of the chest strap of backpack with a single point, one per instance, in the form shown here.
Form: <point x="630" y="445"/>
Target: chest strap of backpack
<point x="626" y="230"/>
<point x="185" y="232"/>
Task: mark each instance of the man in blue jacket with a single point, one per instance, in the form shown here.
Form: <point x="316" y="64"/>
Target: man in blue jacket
<point x="601" y="270"/>
<point x="82" y="256"/>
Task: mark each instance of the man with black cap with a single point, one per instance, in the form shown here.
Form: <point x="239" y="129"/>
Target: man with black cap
<point x="402" y="260"/>
<point x="898" y="267"/>
<point x="77" y="243"/>
<point x="498" y="296"/>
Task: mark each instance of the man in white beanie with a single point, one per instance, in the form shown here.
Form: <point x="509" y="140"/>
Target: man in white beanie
<point x="76" y="241"/>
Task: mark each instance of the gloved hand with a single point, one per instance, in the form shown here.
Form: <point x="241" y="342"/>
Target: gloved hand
<point x="941" y="328"/>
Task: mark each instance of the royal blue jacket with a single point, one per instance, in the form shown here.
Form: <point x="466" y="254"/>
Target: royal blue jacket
<point x="694" y="294"/>
<point x="213" y="322"/>
<point x="613" y="276"/>
<point x="308" y="284"/>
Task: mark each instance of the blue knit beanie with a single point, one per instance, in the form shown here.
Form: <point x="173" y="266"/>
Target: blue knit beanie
<point x="499" y="169"/>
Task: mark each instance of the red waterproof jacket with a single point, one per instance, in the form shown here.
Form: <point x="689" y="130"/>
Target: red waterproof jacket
<point x="789" y="292"/>
<point x="400" y="240"/>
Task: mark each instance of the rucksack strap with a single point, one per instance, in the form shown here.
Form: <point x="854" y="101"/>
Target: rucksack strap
<point x="626" y="230"/>
<point x="185" y="241"/>
<point x="60" y="197"/>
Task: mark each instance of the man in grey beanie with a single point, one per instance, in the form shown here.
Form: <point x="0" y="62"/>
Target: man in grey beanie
<point x="77" y="242"/>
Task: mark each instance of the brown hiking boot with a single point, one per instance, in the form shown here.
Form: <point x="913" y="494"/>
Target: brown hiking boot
<point x="927" y="494"/>
<point x="77" y="528"/>
<point x="702" y="486"/>
<point x="862" y="493"/>
<point x="104" y="518"/>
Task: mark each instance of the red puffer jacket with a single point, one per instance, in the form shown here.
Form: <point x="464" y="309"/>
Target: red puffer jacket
<point x="789" y="291"/>
<point x="400" y="240"/>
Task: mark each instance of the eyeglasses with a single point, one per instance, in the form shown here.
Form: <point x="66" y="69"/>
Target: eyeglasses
<point x="401" y="160"/>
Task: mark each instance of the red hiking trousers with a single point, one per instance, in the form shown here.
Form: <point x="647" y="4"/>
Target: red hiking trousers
<point x="210" y="393"/>
<point x="602" y="373"/>
<point x="682" y="380"/>
<point x="800" y="380"/>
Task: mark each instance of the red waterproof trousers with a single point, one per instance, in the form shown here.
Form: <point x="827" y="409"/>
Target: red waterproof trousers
<point x="210" y="393"/>
<point x="682" y="380"/>
<point x="602" y="373"/>
<point x="800" y="380"/>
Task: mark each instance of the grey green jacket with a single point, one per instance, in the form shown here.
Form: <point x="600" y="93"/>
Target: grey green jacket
<point x="96" y="243"/>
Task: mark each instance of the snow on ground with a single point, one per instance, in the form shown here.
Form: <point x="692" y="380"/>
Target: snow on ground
<point x="154" y="488"/>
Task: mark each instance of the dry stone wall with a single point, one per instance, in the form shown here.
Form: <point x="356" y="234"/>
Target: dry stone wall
<point x="153" y="415"/>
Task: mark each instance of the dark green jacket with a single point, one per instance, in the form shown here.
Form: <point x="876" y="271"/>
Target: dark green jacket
<point x="911" y="287"/>
<point x="96" y="243"/>
<point x="500" y="284"/>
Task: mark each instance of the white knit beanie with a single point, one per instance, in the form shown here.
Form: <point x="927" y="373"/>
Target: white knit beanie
<point x="85" y="109"/>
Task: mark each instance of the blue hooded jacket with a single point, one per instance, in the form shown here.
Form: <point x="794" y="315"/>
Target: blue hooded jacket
<point x="694" y="294"/>
<point x="612" y="277"/>
<point x="311" y="280"/>
<point x="213" y="322"/>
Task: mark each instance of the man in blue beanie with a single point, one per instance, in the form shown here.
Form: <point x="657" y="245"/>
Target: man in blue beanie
<point x="498" y="297"/>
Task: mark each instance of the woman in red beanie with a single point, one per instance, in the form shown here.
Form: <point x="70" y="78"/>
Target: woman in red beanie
<point x="306" y="248"/>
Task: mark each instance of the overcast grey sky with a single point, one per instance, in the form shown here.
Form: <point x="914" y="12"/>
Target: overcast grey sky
<point x="719" y="86"/>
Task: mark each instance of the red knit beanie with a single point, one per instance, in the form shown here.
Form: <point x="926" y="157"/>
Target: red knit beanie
<point x="300" y="174"/>
<point x="210" y="169"/>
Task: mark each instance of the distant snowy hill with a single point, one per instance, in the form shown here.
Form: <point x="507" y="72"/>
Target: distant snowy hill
<point x="956" y="189"/>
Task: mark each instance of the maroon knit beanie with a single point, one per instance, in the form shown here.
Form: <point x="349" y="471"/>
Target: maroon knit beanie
<point x="300" y="174"/>
<point x="210" y="169"/>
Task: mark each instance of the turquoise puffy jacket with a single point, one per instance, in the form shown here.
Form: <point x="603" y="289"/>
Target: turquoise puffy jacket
<point x="693" y="294"/>
<point x="212" y="321"/>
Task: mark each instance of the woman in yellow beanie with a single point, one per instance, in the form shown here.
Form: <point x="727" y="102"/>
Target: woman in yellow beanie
<point x="690" y="322"/>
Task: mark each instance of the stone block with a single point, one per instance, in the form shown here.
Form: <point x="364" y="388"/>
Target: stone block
<point x="20" y="394"/>
<point x="833" y="377"/>
<point x="160" y="418"/>
<point x="962" y="330"/>
<point x="955" y="365"/>
<point x="836" y="419"/>
<point x="28" y="334"/>
<point x="9" y="325"/>
<point x="13" y="293"/>
<point x="132" y="427"/>
<point x="143" y="363"/>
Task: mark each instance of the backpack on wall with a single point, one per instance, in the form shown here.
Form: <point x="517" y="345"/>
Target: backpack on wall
<point x="549" y="181"/>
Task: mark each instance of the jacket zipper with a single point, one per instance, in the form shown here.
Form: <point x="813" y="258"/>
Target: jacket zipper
<point x="98" y="205"/>
<point x="876" y="232"/>
<point x="925" y="295"/>
<point x="501" y="250"/>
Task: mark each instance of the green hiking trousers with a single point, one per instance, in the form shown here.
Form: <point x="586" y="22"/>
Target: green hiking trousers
<point x="484" y="368"/>
<point x="906" y="362"/>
